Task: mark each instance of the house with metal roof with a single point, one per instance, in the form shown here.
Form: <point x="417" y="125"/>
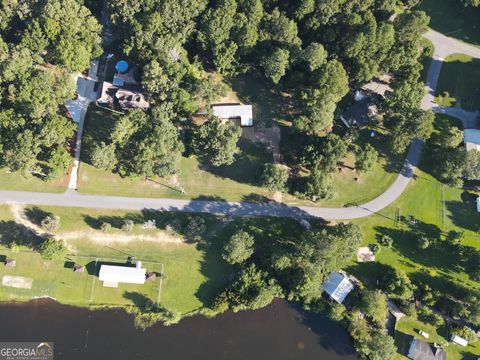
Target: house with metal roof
<point x="111" y="275"/>
<point x="472" y="139"/>
<point x="421" y="350"/>
<point x="234" y="111"/>
<point x="338" y="286"/>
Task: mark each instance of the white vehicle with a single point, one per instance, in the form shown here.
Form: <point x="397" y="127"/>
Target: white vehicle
<point x="424" y="334"/>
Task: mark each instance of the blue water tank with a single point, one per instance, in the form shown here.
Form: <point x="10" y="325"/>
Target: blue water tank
<point x="121" y="66"/>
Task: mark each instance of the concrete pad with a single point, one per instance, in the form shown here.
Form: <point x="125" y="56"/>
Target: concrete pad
<point x="18" y="282"/>
<point x="364" y="254"/>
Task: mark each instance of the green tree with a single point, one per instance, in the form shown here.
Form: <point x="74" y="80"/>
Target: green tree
<point x="238" y="248"/>
<point x="367" y="157"/>
<point x="381" y="346"/>
<point x="374" y="305"/>
<point x="52" y="249"/>
<point x="319" y="184"/>
<point x="216" y="142"/>
<point x="103" y="156"/>
<point x="314" y="55"/>
<point x="274" y="178"/>
<point x="275" y="64"/>
<point x="472" y="165"/>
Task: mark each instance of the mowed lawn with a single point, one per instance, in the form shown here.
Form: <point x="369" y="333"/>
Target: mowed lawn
<point x="236" y="182"/>
<point x="436" y="209"/>
<point x="21" y="182"/>
<point x="453" y="19"/>
<point x="459" y="81"/>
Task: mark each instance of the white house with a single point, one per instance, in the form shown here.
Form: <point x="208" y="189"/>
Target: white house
<point x="111" y="275"/>
<point x="472" y="139"/>
<point x="244" y="112"/>
<point x="459" y="340"/>
<point x="338" y="286"/>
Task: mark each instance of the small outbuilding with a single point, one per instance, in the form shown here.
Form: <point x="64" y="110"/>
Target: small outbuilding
<point x="10" y="263"/>
<point x="338" y="286"/>
<point x="234" y="111"/>
<point x="478" y="204"/>
<point x="459" y="340"/>
<point x="421" y="350"/>
<point x="111" y="275"/>
<point x="79" y="269"/>
<point x="151" y="276"/>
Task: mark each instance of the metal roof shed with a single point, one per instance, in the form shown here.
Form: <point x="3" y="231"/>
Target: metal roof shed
<point x="338" y="286"/>
<point x="244" y="112"/>
<point x="111" y="275"/>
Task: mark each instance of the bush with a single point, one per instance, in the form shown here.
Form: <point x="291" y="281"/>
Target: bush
<point x="105" y="227"/>
<point x="336" y="312"/>
<point x="149" y="224"/>
<point x="423" y="242"/>
<point x="374" y="248"/>
<point x="238" y="248"/>
<point x="52" y="249"/>
<point x="274" y="178"/>
<point x="195" y="229"/>
<point x="51" y="223"/>
<point x="386" y="241"/>
<point x="174" y="227"/>
<point x="466" y="333"/>
<point x="127" y="225"/>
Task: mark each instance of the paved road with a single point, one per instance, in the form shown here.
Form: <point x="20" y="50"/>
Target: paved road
<point x="443" y="47"/>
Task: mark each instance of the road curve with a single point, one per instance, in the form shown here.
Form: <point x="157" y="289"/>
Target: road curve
<point x="444" y="46"/>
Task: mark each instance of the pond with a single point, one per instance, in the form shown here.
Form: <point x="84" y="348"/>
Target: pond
<point x="279" y="331"/>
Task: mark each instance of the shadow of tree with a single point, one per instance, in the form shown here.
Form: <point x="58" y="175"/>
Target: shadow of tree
<point x="10" y="231"/>
<point x="36" y="215"/>
<point x="114" y="221"/>
<point x="138" y="299"/>
<point x="256" y="198"/>
<point x="247" y="166"/>
<point x="463" y="213"/>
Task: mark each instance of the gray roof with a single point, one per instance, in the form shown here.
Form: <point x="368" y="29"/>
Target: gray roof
<point x="421" y="350"/>
<point x="338" y="286"/>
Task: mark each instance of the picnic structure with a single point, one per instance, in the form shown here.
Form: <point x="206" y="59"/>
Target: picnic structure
<point x="234" y="111"/>
<point x="338" y="286"/>
<point x="111" y="275"/>
<point x="472" y="139"/>
<point x="421" y="350"/>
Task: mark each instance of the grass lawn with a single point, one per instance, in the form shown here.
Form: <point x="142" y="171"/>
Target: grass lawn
<point x="193" y="274"/>
<point x="459" y="82"/>
<point x="451" y="18"/>
<point x="20" y="182"/>
<point x="436" y="209"/>
<point x="409" y="326"/>
<point x="236" y="182"/>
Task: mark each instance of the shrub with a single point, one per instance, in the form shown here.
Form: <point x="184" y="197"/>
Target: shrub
<point x="466" y="333"/>
<point x="238" y="248"/>
<point x="195" y="229"/>
<point x="386" y="241"/>
<point x="149" y="224"/>
<point x="374" y="248"/>
<point x="105" y="227"/>
<point x="51" y="223"/>
<point x="174" y="227"/>
<point x="274" y="178"/>
<point x="52" y="249"/>
<point x="127" y="225"/>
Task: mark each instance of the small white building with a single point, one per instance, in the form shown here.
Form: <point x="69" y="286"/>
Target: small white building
<point x="459" y="340"/>
<point x="338" y="286"/>
<point x="234" y="111"/>
<point x="472" y="139"/>
<point x="478" y="204"/>
<point x="111" y="275"/>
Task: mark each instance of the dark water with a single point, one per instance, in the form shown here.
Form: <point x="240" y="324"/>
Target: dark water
<point x="280" y="331"/>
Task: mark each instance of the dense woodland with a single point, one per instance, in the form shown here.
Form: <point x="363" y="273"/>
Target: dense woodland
<point x="316" y="51"/>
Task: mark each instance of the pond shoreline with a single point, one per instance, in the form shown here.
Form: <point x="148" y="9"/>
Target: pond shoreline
<point x="278" y="331"/>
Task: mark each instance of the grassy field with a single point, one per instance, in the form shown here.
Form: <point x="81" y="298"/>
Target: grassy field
<point x="193" y="274"/>
<point x="451" y="18"/>
<point x="436" y="209"/>
<point x="236" y="182"/>
<point x="408" y="327"/>
<point x="21" y="182"/>
<point x="459" y="82"/>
